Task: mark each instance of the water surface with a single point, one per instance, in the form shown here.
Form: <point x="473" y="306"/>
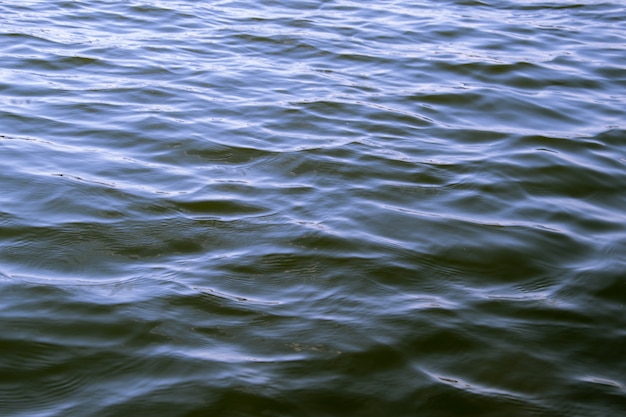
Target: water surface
<point x="312" y="208"/>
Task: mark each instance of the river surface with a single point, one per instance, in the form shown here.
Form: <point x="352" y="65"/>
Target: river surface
<point x="313" y="208"/>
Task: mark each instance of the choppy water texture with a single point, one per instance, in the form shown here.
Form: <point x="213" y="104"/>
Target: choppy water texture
<point x="313" y="208"/>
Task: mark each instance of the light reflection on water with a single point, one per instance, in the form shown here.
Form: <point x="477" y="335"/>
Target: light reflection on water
<point x="321" y="208"/>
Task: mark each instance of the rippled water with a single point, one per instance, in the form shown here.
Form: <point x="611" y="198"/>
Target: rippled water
<point x="313" y="208"/>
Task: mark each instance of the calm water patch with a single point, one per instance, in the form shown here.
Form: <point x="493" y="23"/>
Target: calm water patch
<point x="313" y="208"/>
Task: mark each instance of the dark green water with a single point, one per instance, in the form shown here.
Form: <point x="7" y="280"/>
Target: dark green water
<point x="313" y="208"/>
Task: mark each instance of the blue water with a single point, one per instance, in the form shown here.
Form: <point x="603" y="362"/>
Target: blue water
<point x="313" y="208"/>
